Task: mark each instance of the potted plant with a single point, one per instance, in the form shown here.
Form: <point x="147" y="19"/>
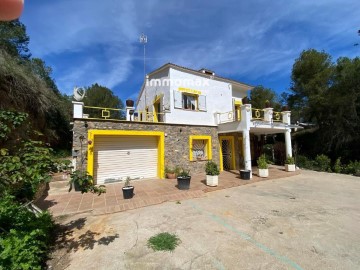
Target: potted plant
<point x="129" y="103"/>
<point x="212" y="173"/>
<point x="183" y="179"/>
<point x="290" y="164"/>
<point x="84" y="182"/>
<point x="263" y="166"/>
<point x="128" y="190"/>
<point x="171" y="172"/>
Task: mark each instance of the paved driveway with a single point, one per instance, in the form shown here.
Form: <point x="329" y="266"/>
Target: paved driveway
<point x="307" y="221"/>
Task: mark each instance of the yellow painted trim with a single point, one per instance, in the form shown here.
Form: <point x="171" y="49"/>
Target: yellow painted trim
<point x="208" y="145"/>
<point x="98" y="132"/>
<point x="189" y="90"/>
<point x="237" y="102"/>
<point x="155" y="112"/>
<point x="231" y="139"/>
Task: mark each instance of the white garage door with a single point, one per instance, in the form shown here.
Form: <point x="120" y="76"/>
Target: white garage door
<point x="116" y="157"/>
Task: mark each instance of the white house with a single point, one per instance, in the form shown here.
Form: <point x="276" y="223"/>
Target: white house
<point x="182" y="117"/>
<point x="174" y="94"/>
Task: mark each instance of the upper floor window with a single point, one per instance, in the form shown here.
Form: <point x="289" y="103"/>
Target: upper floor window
<point x="189" y="101"/>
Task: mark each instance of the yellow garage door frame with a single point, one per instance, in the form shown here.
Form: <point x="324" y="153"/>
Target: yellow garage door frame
<point x="92" y="134"/>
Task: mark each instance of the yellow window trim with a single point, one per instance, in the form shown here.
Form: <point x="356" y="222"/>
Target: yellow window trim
<point x="231" y="139"/>
<point x="98" y="132"/>
<point x="208" y="145"/>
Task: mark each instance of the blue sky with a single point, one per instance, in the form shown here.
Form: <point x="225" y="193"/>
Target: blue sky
<point x="256" y="42"/>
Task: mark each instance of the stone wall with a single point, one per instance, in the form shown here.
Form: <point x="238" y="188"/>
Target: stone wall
<point x="176" y="140"/>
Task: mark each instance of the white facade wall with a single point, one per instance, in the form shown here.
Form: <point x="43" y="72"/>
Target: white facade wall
<point x="151" y="92"/>
<point x="220" y="96"/>
<point x="218" y="99"/>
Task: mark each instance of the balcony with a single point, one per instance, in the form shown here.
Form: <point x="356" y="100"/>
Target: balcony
<point x="258" y="120"/>
<point x="101" y="113"/>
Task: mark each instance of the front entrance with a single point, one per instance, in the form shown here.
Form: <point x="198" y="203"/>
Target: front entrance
<point x="227" y="157"/>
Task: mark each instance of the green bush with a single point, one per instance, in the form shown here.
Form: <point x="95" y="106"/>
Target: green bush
<point x="24" y="237"/>
<point x="85" y="183"/>
<point x="352" y="168"/>
<point x="262" y="163"/>
<point x="304" y="162"/>
<point x="211" y="168"/>
<point x="323" y="163"/>
<point x="290" y="160"/>
<point x="337" y="166"/>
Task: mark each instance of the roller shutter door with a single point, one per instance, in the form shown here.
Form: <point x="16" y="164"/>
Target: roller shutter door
<point x="116" y="157"/>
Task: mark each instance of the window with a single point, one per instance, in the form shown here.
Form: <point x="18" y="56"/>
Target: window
<point x="200" y="147"/>
<point x="189" y="101"/>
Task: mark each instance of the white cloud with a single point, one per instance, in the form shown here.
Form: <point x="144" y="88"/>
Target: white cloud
<point x="248" y="39"/>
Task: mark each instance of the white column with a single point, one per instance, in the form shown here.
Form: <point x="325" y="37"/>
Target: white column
<point x="247" y="152"/>
<point x="288" y="142"/>
<point x="286" y="117"/>
<point x="268" y="114"/>
<point x="78" y="109"/>
<point x="128" y="116"/>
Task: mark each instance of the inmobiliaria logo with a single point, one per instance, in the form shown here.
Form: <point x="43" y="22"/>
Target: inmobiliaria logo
<point x="178" y="82"/>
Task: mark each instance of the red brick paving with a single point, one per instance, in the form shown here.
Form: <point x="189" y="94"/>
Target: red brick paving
<point x="147" y="192"/>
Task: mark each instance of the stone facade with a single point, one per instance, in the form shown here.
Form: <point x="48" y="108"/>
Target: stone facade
<point x="176" y="140"/>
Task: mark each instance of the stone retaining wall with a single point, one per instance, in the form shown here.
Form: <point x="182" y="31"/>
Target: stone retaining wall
<point x="176" y="140"/>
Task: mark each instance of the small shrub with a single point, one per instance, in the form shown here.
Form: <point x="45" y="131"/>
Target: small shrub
<point x="304" y="162"/>
<point x="290" y="160"/>
<point x="352" y="168"/>
<point x="171" y="170"/>
<point x="211" y="168"/>
<point x="183" y="173"/>
<point x="262" y="163"/>
<point x="85" y="183"/>
<point x="337" y="166"/>
<point x="127" y="182"/>
<point x="323" y="163"/>
<point x="163" y="241"/>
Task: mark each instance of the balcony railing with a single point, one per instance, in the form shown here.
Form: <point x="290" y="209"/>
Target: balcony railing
<point x="256" y="115"/>
<point x="92" y="112"/>
<point x="143" y="116"/>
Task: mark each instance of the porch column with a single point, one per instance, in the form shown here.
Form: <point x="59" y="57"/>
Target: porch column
<point x="288" y="142"/>
<point x="128" y="116"/>
<point x="247" y="152"/>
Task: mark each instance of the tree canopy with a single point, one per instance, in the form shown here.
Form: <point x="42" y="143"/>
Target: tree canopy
<point x="100" y="96"/>
<point x="327" y="94"/>
<point x="260" y="95"/>
<point x="14" y="40"/>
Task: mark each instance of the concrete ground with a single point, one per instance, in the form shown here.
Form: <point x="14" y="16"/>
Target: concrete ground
<point x="307" y="221"/>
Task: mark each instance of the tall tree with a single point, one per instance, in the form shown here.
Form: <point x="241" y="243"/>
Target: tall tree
<point x="312" y="75"/>
<point x="14" y="40"/>
<point x="100" y="96"/>
<point x="260" y="95"/>
<point x="328" y="94"/>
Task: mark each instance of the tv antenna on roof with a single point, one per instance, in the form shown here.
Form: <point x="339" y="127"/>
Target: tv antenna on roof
<point x="143" y="40"/>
